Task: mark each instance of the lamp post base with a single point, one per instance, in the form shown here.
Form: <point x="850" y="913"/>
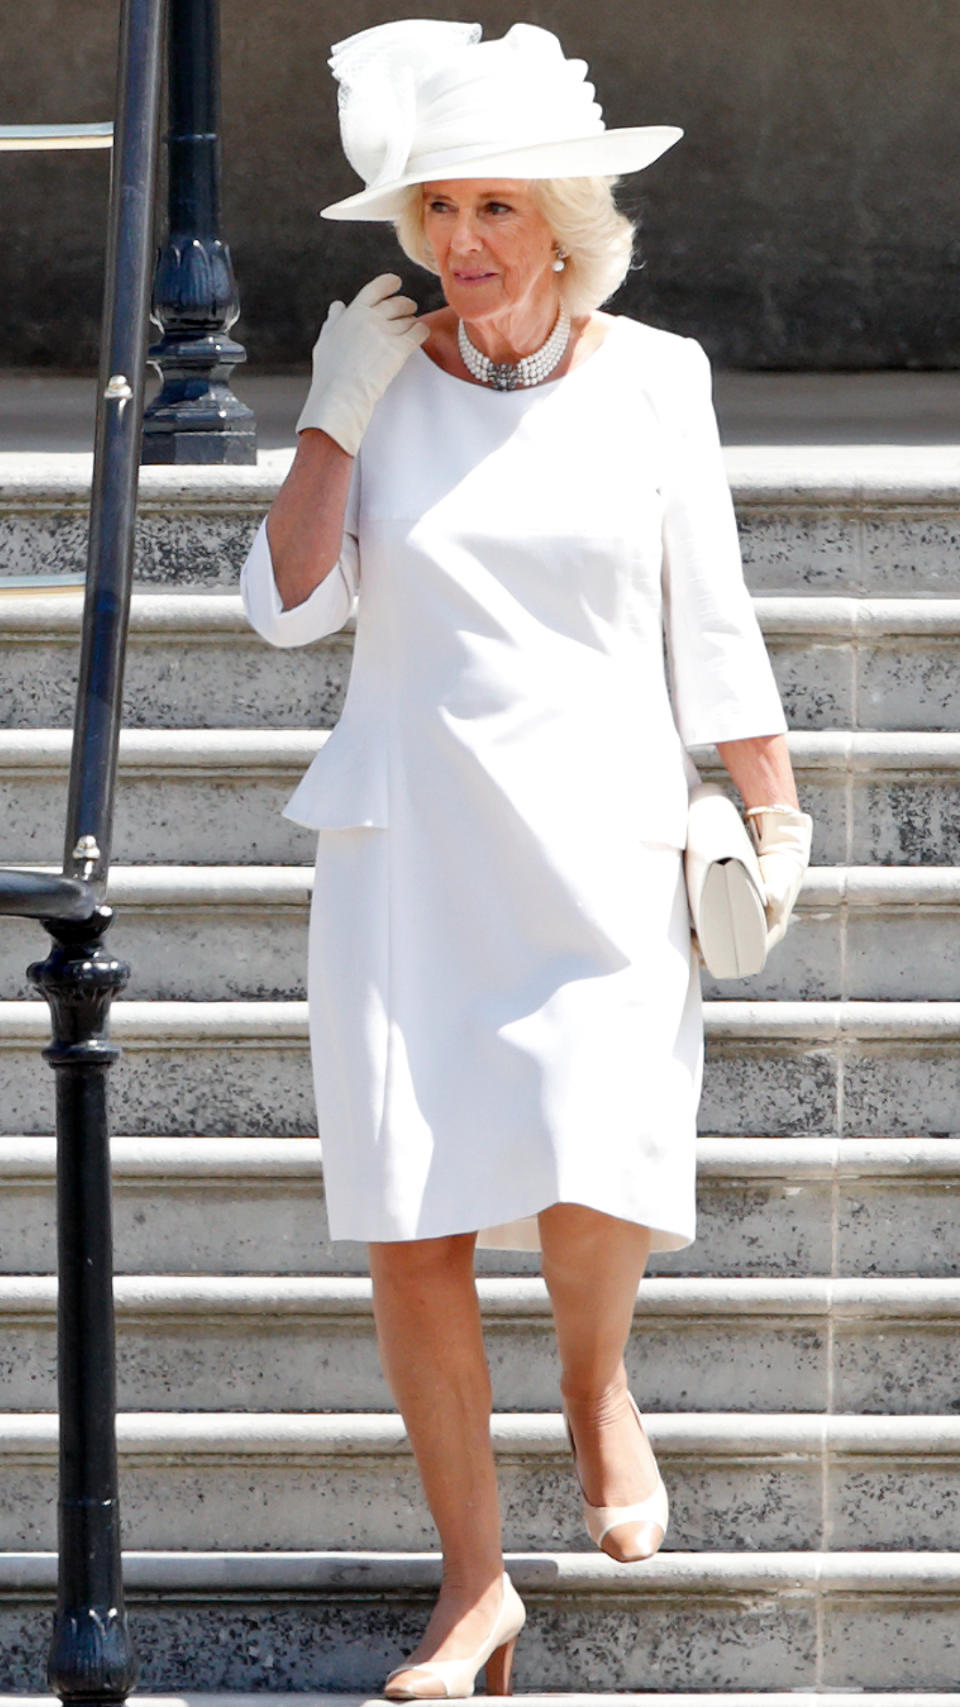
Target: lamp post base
<point x="91" y="1660"/>
<point x="196" y="418"/>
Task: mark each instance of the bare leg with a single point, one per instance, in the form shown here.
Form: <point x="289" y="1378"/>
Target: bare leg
<point x="593" y="1265"/>
<point x="431" y="1347"/>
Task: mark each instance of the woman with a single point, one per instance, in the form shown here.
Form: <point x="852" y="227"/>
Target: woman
<point x="504" y="996"/>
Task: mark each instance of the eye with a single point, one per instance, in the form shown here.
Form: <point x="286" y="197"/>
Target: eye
<point x="438" y="206"/>
<point x="499" y="207"/>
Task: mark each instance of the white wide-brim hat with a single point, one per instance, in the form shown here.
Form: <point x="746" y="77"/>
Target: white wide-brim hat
<point x="422" y="100"/>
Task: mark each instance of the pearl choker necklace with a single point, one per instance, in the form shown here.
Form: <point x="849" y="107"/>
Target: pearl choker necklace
<point x="529" y="370"/>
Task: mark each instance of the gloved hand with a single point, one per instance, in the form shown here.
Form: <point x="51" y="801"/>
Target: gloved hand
<point x="782" y="837"/>
<point x="359" y="350"/>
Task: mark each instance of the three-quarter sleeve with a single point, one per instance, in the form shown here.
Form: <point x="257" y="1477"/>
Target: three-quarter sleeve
<point x="722" y="685"/>
<point x="328" y="606"/>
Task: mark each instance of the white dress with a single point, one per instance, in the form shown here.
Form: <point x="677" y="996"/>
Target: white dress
<point x="504" y="1005"/>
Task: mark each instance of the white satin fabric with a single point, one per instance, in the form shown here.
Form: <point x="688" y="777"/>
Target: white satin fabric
<point x="504" y="1003"/>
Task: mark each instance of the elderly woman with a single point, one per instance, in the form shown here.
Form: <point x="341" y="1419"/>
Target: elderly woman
<point x="524" y="494"/>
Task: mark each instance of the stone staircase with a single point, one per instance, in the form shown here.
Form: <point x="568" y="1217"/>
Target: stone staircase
<point x="797" y="1364"/>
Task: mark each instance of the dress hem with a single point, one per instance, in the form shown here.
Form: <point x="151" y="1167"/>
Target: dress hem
<point x="521" y="1233"/>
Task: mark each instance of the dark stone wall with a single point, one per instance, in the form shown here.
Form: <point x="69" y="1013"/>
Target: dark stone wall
<point x="810" y="218"/>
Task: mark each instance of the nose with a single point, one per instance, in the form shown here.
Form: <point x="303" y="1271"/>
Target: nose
<point x="465" y="238"/>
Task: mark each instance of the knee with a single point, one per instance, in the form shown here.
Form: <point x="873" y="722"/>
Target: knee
<point x="409" y="1263"/>
<point x="581" y="1246"/>
<point x="572" y="1237"/>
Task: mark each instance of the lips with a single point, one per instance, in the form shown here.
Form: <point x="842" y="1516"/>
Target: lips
<point x="473" y="278"/>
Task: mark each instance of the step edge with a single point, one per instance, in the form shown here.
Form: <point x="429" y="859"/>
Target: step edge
<point x="724" y="1436"/>
<point x="145" y="1297"/>
<point x="253" y="1161"/>
<point x="557" y="1698"/>
<point x="199" y="1024"/>
<point x="216" y="749"/>
<point x="191" y="886"/>
<point x="219" y="614"/>
<point x="543" y="1574"/>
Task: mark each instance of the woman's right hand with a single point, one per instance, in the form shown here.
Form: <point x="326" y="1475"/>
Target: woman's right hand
<point x="359" y="351"/>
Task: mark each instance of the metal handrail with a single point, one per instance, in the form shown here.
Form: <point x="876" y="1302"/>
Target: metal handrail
<point x="30" y="137"/>
<point x="37" y="895"/>
<point x="91" y="1655"/>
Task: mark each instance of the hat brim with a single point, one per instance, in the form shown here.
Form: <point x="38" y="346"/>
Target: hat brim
<point x="608" y="154"/>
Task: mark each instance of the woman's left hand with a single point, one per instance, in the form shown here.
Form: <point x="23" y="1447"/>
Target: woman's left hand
<point x="782" y="836"/>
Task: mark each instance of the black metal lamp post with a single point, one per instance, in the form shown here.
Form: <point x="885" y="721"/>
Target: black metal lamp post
<point x="195" y="418"/>
<point x="91" y="1655"/>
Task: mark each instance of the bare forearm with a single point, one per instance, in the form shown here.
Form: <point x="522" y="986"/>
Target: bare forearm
<point x="305" y="523"/>
<point x="761" y="770"/>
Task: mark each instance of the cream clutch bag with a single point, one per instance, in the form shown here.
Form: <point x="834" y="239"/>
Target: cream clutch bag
<point x="724" y="886"/>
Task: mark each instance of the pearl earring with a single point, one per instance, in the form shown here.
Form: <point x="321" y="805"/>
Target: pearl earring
<point x="560" y="261"/>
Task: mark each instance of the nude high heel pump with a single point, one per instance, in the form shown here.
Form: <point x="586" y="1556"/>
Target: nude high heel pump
<point x="456" y="1678"/>
<point x="642" y="1526"/>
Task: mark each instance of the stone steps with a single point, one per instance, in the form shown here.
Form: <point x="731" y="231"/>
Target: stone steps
<point x="287" y="1481"/>
<point x="797" y="1364"/>
<point x="337" y="1621"/>
<point x="879" y="521"/>
<point x="878" y="798"/>
<point x="306" y="1698"/>
<point x="796" y="1069"/>
<point x="214" y="933"/>
<point x="861" y="521"/>
<point x="567" y="1698"/>
<point x="866" y="663"/>
<point x="207" y="933"/>
<point x="767" y="1207"/>
<point x="192" y="660"/>
<point x="886" y="933"/>
<point x="890" y="664"/>
<point x="305" y="1343"/>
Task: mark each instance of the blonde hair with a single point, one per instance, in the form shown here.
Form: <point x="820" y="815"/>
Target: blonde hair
<point x="596" y="238"/>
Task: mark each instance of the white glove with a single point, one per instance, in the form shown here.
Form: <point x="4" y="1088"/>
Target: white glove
<point x="359" y="350"/>
<point x="782" y="836"/>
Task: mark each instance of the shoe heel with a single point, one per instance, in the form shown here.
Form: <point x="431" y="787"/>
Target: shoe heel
<point x="499" y="1668"/>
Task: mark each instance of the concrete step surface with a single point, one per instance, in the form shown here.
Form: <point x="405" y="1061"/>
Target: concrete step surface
<point x="339" y="1621"/>
<point x="193" y="661"/>
<point x="185" y="795"/>
<point x="275" y="1482"/>
<point x="225" y="1343"/>
<point x="798" y="1069"/>
<point x="880" y="523"/>
<point x="214" y="933"/>
<point x="207" y="933"/>
<point x="841" y="1069"/>
<point x="865" y="663"/>
<point x="889" y="933"/>
<point x="878" y="520"/>
<point x="766" y="1207"/>
<point x="305" y="1698"/>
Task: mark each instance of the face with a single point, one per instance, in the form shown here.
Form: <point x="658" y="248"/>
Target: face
<point x="493" y="248"/>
